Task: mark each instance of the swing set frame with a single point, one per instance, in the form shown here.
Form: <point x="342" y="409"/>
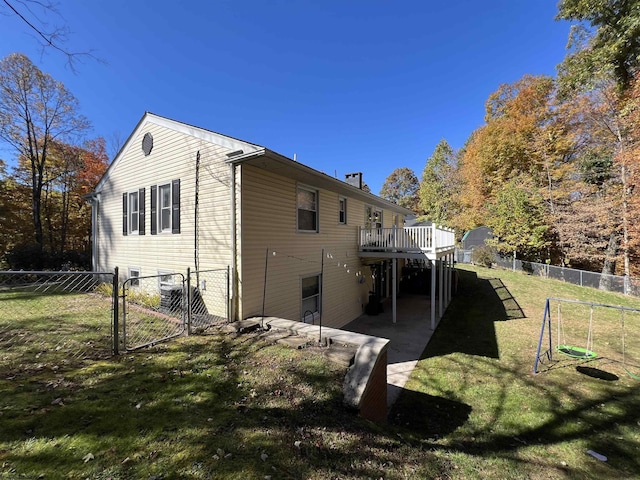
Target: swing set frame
<point x="576" y="352"/>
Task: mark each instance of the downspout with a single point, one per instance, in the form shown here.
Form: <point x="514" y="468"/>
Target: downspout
<point x="234" y="258"/>
<point x="94" y="198"/>
<point x="196" y="246"/>
<point x="235" y="158"/>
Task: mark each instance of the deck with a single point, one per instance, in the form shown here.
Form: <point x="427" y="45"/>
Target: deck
<point x="406" y="242"/>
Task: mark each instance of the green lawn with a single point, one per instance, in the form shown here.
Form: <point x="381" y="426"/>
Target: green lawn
<point x="226" y="406"/>
<point x="474" y="399"/>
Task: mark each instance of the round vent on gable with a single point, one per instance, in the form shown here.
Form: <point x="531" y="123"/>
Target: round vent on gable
<point x="147" y="143"/>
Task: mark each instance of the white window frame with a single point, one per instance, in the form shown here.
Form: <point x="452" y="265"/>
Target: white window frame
<point x="369" y="216"/>
<point x="318" y="295"/>
<point x="342" y="210"/>
<point x="162" y="228"/>
<point x="131" y="228"/>
<point x="316" y="194"/>
<point x="134" y="272"/>
<point x="165" y="283"/>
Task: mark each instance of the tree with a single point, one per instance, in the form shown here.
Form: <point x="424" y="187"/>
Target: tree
<point x="14" y="208"/>
<point x="439" y="185"/>
<point x="609" y="49"/>
<point x="401" y="187"/>
<point x="588" y="219"/>
<point x="35" y="110"/>
<point x="522" y="136"/>
<point x="629" y="158"/>
<point x="518" y="220"/>
<point x="71" y="172"/>
<point x="33" y="13"/>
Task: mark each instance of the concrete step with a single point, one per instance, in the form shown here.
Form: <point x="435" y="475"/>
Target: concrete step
<point x="342" y="355"/>
<point x="294" y="341"/>
<point x="274" y="336"/>
<point x="241" y="326"/>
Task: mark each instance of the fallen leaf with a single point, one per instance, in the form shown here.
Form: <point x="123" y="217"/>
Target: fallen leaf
<point x="88" y="457"/>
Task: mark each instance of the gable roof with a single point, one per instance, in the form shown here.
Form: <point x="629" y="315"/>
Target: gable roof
<point x="256" y="155"/>
<point x="197" y="132"/>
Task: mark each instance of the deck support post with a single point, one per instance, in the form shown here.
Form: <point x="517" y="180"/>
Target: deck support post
<point x="440" y="288"/>
<point x="447" y="291"/>
<point x="394" y="287"/>
<point x="433" y="294"/>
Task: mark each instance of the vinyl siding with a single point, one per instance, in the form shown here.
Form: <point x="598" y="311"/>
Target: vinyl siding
<point x="173" y="157"/>
<point x="268" y="225"/>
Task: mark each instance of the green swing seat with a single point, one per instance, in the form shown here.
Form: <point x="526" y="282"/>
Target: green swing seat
<point x="576" y="352"/>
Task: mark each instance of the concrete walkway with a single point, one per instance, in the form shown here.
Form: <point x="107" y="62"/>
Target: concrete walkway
<point x="408" y="338"/>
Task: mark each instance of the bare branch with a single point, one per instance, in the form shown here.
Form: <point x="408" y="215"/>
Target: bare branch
<point x="55" y="38"/>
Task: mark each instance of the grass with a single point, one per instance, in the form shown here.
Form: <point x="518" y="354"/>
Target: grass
<point x="474" y="394"/>
<point x="226" y="406"/>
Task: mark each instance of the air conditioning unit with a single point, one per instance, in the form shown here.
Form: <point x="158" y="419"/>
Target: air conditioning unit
<point x="171" y="299"/>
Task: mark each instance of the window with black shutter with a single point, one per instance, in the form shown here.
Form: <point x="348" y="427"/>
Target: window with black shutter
<point x="165" y="208"/>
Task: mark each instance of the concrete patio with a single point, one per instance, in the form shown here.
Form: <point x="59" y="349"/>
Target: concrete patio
<point x="408" y="338"/>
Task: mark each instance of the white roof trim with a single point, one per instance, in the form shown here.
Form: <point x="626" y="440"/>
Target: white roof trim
<point x="231" y="143"/>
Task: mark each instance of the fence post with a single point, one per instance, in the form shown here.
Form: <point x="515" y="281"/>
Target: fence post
<point x="116" y="312"/>
<point x="189" y="300"/>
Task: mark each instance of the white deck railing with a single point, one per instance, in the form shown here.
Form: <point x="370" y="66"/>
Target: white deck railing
<point x="429" y="239"/>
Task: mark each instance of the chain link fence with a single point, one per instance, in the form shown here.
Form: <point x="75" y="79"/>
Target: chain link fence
<point x="208" y="298"/>
<point x="50" y="319"/>
<point x="610" y="283"/>
<point x="153" y="309"/>
<point x="54" y="319"/>
<point x="159" y="307"/>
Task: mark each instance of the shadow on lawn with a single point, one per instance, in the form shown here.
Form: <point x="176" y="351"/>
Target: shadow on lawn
<point x="468" y="326"/>
<point x="601" y="418"/>
<point x="220" y="406"/>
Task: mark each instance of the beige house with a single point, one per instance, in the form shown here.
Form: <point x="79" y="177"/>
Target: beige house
<point x="299" y="244"/>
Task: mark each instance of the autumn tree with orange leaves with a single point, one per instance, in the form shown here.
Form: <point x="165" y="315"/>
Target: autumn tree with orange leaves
<point x="46" y="214"/>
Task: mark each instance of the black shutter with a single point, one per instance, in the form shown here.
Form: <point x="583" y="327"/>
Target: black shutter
<point x="141" y="211"/>
<point x="175" y="206"/>
<point x="125" y="228"/>
<point x="154" y="216"/>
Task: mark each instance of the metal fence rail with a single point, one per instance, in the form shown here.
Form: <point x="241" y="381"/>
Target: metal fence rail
<point x="52" y="319"/>
<point x="610" y="283"/>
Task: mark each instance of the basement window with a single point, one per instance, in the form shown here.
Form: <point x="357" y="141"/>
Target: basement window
<point x="311" y="301"/>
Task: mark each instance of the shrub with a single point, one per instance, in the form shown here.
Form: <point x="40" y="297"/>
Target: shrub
<point x="483" y="256"/>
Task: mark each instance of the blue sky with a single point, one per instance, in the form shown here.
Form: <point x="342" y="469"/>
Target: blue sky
<point x="345" y="85"/>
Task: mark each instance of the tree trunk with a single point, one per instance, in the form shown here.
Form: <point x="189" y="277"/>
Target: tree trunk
<point x="609" y="266"/>
<point x="36" y="204"/>
<point x="626" y="191"/>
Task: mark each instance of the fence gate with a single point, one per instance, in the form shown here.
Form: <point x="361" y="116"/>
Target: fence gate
<point x="208" y="298"/>
<point x="154" y="309"/>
